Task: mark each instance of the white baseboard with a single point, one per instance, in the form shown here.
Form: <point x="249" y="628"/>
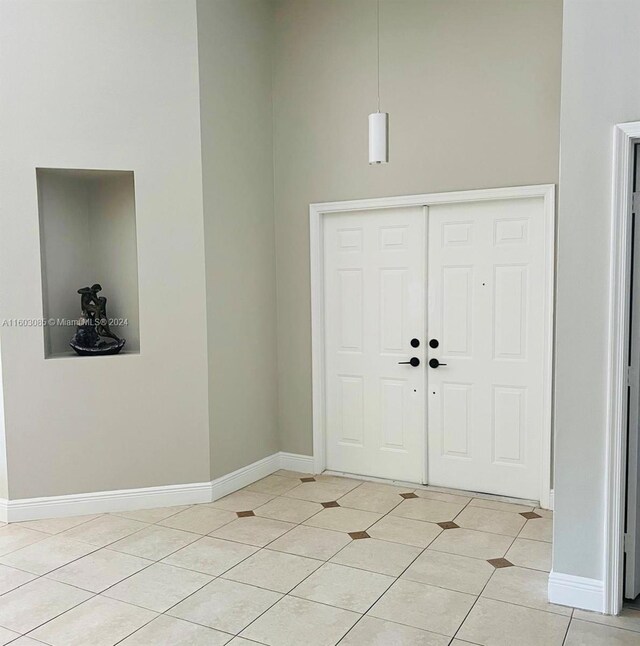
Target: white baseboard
<point x="551" y="500"/>
<point x="99" y="502"/>
<point x="295" y="462"/>
<point x="224" y="485"/>
<point x="576" y="591"/>
<point x="13" y="511"/>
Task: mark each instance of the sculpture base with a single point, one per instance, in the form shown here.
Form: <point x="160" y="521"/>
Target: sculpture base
<point x="101" y="349"/>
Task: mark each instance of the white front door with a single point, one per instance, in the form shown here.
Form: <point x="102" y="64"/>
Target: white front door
<point x="486" y="277"/>
<point x="374" y="305"/>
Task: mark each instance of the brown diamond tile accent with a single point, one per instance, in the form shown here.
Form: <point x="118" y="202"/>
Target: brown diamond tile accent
<point x="244" y="514"/>
<point x="332" y="503"/>
<point x="358" y="535"/>
<point x="500" y="563"/>
<point x="530" y="514"/>
<point x="307" y="479"/>
<point x="408" y="495"/>
<point x="448" y="525"/>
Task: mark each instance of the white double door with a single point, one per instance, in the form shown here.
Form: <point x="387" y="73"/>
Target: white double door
<point x="461" y="284"/>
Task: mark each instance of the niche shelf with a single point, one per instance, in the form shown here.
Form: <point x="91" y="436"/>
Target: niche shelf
<point x="87" y="236"/>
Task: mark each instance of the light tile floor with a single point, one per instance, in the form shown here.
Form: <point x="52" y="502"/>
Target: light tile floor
<point x="296" y="560"/>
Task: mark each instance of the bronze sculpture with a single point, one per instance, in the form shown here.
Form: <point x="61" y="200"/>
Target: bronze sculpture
<point x="93" y="325"/>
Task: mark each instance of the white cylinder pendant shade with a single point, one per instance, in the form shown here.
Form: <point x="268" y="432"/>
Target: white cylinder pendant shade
<point x="379" y="138"/>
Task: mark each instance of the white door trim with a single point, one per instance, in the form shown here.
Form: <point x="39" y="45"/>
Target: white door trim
<point x="624" y="135"/>
<point x="316" y="214"/>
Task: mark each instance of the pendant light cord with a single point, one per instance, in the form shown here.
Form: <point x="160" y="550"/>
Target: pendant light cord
<point x="378" y="42"/>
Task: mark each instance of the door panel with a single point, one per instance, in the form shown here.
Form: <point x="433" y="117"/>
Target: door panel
<point x="486" y="304"/>
<point x="374" y="305"/>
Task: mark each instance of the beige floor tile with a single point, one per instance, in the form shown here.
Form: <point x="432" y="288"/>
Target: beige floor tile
<point x="585" y="633"/>
<point x="293" y="474"/>
<point x="347" y="484"/>
<point x="341" y="519"/>
<point x="316" y="492"/>
<point x="241" y="641"/>
<point x="531" y="554"/>
<point x="423" y="606"/>
<point x="469" y="542"/>
<point x="57" y="525"/>
<point x="151" y="515"/>
<point x="7" y="636"/>
<point x="158" y="587"/>
<point x="273" y="485"/>
<point x="26" y="641"/>
<point x="104" y="530"/>
<point x="225" y="605"/>
<point x="367" y="499"/>
<point x="344" y="587"/>
<point x="253" y="530"/>
<point x="154" y="542"/>
<point x="523" y="587"/>
<point x="290" y="510"/>
<point x="11" y="578"/>
<point x="13" y="537"/>
<point x="628" y="619"/>
<point x="491" y="520"/>
<point x="538" y="529"/>
<point x="99" y="622"/>
<point x="243" y="500"/>
<point x="499" y="506"/>
<point x="211" y="555"/>
<point x="389" y="488"/>
<point x="434" y="511"/>
<point x="377" y="556"/>
<point x="41" y="600"/>
<point x="169" y="631"/>
<point x="275" y="571"/>
<point x="47" y="555"/>
<point x="200" y="520"/>
<point x="451" y="571"/>
<point x="504" y="624"/>
<point x="418" y="533"/>
<point x="377" y="632"/>
<point x="443" y="497"/>
<point x="100" y="570"/>
<point x="292" y="622"/>
<point x="312" y="542"/>
<point x="545" y="513"/>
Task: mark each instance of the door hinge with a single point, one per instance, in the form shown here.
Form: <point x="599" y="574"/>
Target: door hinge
<point x="630" y="376"/>
<point x="635" y="202"/>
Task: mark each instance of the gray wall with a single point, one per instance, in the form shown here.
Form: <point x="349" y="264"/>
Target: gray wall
<point x="105" y="84"/>
<point x="600" y="88"/>
<point x="235" y="41"/>
<point x="473" y="91"/>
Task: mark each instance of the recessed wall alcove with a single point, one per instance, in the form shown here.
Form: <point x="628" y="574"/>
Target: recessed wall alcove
<point x="87" y="236"/>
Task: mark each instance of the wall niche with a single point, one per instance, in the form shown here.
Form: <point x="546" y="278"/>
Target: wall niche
<point x="87" y="236"/>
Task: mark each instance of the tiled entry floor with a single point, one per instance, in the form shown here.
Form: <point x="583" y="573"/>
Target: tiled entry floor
<point x="295" y="561"/>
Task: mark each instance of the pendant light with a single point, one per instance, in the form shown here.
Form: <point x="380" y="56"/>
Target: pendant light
<point x="378" y="121"/>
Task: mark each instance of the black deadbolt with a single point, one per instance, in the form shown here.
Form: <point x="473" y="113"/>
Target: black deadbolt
<point x="433" y="343"/>
<point x="415" y="343"/>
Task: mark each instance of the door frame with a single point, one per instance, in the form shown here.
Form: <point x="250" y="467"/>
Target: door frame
<point x="624" y="137"/>
<point x="317" y="213"/>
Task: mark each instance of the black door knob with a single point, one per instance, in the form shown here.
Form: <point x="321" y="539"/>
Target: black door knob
<point x="433" y="343"/>
<point x="414" y="361"/>
<point x="434" y="363"/>
<point x="415" y="343"/>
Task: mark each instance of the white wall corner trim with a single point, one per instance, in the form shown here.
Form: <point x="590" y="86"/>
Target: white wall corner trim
<point x="576" y="591"/>
<point x="99" y="502"/>
<point x="624" y="135"/>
